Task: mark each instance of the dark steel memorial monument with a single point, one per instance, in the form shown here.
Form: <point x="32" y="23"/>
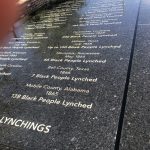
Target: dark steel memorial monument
<point x="77" y="77"/>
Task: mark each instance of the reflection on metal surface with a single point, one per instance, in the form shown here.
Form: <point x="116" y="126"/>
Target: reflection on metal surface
<point x="32" y="5"/>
